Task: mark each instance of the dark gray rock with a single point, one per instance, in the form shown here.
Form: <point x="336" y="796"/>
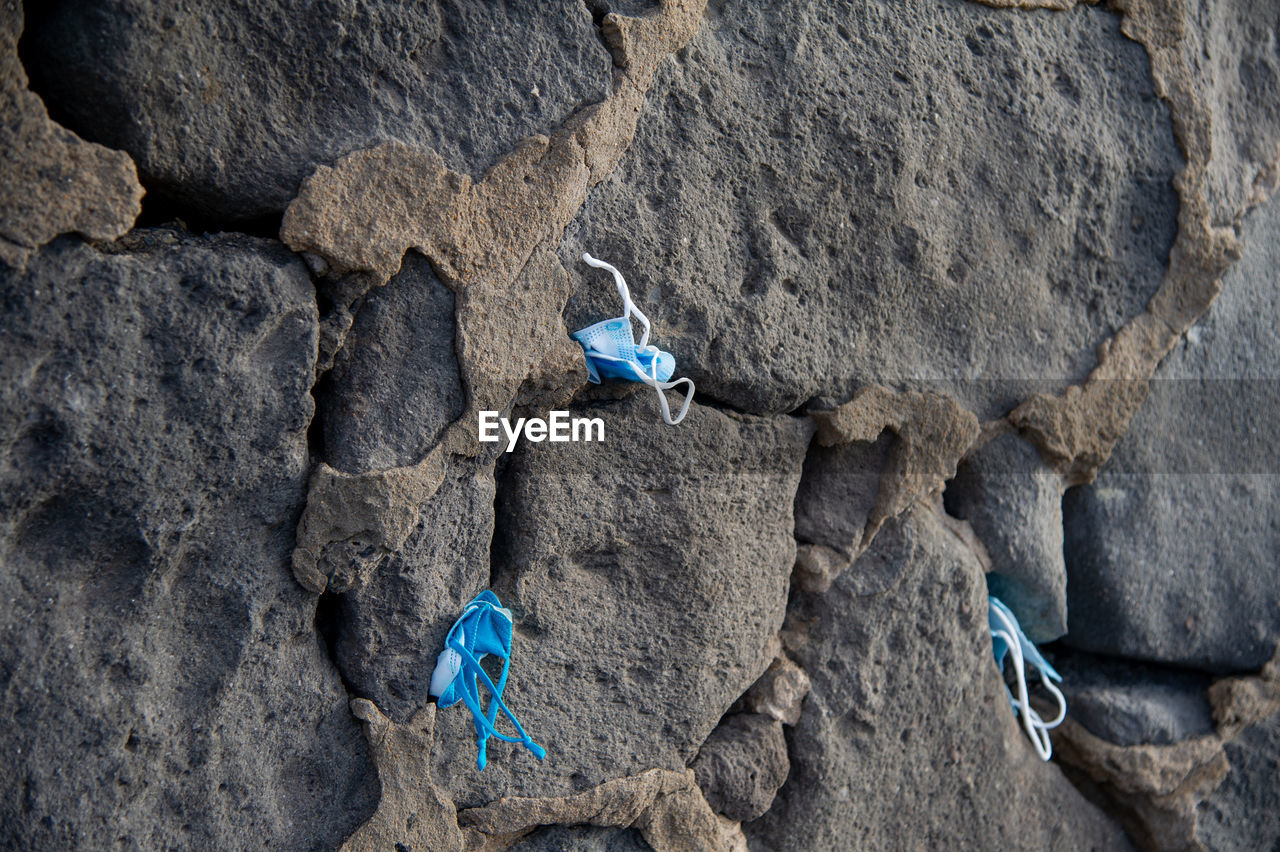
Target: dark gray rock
<point x="227" y="109"/>
<point x="1013" y="501"/>
<point x="826" y="195"/>
<point x="838" y="492"/>
<point x="395" y="385"/>
<point x="161" y="681"/>
<point x="582" y="838"/>
<point x="1130" y="704"/>
<point x="387" y="627"/>
<point x="1171" y="553"/>
<point x="1244" y="812"/>
<point x="742" y="764"/>
<point x="907" y="739"/>
<point x="648" y="574"/>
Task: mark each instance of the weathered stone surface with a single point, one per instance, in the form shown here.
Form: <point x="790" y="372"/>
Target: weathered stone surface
<point x="412" y="813"/>
<point x="1129" y="704"/>
<point x="1156" y="791"/>
<point x="582" y="839"/>
<point x="648" y="574"/>
<point x="780" y="691"/>
<point x="395" y="386"/>
<point x="828" y="196"/>
<point x="928" y="434"/>
<point x="227" y="111"/>
<point x="665" y="806"/>
<point x="1234" y="57"/>
<point x="1244" y="812"/>
<point x="388" y="621"/>
<point x="908" y="715"/>
<point x="1013" y="501"/>
<point x="741" y="765"/>
<point x="1171" y="553"/>
<point x="51" y="181"/>
<point x="163" y="685"/>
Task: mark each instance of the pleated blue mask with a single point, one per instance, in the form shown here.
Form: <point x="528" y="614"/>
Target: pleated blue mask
<point x="1008" y="640"/>
<point x="483" y="628"/>
<point x="612" y="351"/>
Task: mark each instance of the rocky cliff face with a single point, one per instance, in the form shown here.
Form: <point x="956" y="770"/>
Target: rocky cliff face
<point x="975" y="296"/>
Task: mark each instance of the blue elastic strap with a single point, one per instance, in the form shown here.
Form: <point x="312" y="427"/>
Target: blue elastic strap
<point x="478" y="613"/>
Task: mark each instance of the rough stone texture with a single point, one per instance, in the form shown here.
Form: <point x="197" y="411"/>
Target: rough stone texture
<point x="412" y="813"/>
<point x="1244" y="812"/>
<point x="582" y="839"/>
<point x="930" y="435"/>
<point x="907" y="739"/>
<point x="1013" y="501"/>
<point x="1154" y="572"/>
<point x="395" y="386"/>
<point x="648" y="574"/>
<point x="227" y="111"/>
<point x="780" y="691"/>
<point x="741" y="765"/>
<point x="665" y="806"/>
<point x="51" y="181"/>
<point x="1234" y="55"/>
<point x="942" y="192"/>
<point x="1129" y="704"/>
<point x="162" y="683"/>
<point x="1156" y="791"/>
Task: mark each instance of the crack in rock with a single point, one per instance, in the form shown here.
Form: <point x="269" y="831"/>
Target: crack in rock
<point x="1155" y="790"/>
<point x="412" y="812"/>
<point x="1077" y="430"/>
<point x="933" y="431"/>
<point x="666" y="806"/>
<point x="491" y="242"/>
<point x="51" y="181"/>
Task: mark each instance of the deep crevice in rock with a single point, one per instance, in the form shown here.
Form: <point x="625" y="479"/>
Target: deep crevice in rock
<point x="330" y="614"/>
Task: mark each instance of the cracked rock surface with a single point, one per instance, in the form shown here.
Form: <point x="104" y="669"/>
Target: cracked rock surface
<point x="227" y="113"/>
<point x="907" y="715"/>
<point x="826" y="196"/>
<point x="162" y="681"/>
<point x="979" y="297"/>
<point x="1150" y="563"/>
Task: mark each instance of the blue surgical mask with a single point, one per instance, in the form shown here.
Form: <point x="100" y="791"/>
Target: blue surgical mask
<point x="1008" y="640"/>
<point x="483" y="628"/>
<point x="612" y="351"/>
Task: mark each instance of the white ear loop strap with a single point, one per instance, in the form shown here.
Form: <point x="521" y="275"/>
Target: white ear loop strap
<point x="629" y="308"/>
<point x="1035" y="726"/>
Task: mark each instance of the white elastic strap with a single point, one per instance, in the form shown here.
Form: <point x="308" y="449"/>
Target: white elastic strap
<point x="628" y="308"/>
<point x="1035" y="726"/>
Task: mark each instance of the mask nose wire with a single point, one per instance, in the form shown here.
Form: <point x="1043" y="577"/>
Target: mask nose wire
<point x="628" y="308"/>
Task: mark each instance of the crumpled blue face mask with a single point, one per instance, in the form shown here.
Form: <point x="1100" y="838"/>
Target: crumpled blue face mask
<point x="1008" y="640"/>
<point x="483" y="628"/>
<point x="612" y="351"/>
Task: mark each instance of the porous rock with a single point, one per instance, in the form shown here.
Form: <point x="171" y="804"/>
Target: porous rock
<point x="51" y="181"/>
<point x="163" y="685"/>
<point x="1244" y="811"/>
<point x="1130" y="704"/>
<point x="395" y="385"/>
<point x="908" y="715"/>
<point x="226" y="110"/>
<point x="1013" y="501"/>
<point x="648" y="575"/>
<point x="1154" y="572"/>
<point x="741" y="765"/>
<point x="823" y="196"/>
